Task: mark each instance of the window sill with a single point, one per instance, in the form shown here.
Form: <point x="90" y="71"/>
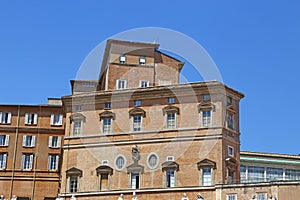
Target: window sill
<point x="54" y="147"/>
<point x="56" y="125"/>
<point x="30" y="124"/>
<point x="28" y="146"/>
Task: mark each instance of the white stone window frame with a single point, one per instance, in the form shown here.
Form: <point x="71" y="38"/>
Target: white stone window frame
<point x="115" y="162"/>
<point x="6" y="141"/>
<point x="122" y="59"/>
<point x="142" y="60"/>
<point x="157" y="160"/>
<point x="167" y="121"/>
<point x="204" y="176"/>
<point x="53" y="119"/>
<point x="5" y="117"/>
<point x="31" y="119"/>
<point x="144" y="83"/>
<point x="170" y="158"/>
<point x="231" y="197"/>
<point x="210" y="124"/>
<point x="230" y="149"/>
<point x="105" y="127"/>
<point x="121" y="84"/>
<point x="104" y="162"/>
<point x="133" y="124"/>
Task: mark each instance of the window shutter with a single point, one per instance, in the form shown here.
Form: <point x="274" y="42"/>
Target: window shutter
<point x="4" y="161"/>
<point x="24" y="140"/>
<point x="50" y="141"/>
<point x="60" y="119"/>
<point x="56" y="163"/>
<point x="52" y="119"/>
<point x="58" y="141"/>
<point x="9" y="118"/>
<point x="1" y="117"/>
<point x="23" y="161"/>
<point x="6" y="140"/>
<point x="35" y="118"/>
<point x="30" y="161"/>
<point x="26" y="118"/>
<point x="49" y="162"/>
<point x="33" y="141"/>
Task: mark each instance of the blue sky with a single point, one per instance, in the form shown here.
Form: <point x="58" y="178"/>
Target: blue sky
<point x="255" y="45"/>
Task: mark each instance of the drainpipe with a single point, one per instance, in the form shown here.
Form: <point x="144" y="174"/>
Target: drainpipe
<point x="15" y="154"/>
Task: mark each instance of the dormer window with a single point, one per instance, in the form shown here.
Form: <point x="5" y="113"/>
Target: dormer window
<point x="122" y="59"/>
<point x="142" y="60"/>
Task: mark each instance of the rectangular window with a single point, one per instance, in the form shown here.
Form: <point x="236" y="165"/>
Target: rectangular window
<point x="144" y="84"/>
<point x="170" y="178"/>
<point x="74" y="184"/>
<point x="229" y="101"/>
<point x="104" y="162"/>
<point x="142" y="60"/>
<point x="31" y="118"/>
<point x="78" y="108"/>
<point x="170" y="158"/>
<point x="261" y="196"/>
<point x="230" y="151"/>
<point x="77" y="127"/>
<point x="107" y="105"/>
<point x="206" y="97"/>
<point x="292" y="174"/>
<point x="137" y="123"/>
<point x="121" y="84"/>
<point x="28" y="141"/>
<point x="5" y="117"/>
<point x="274" y="174"/>
<point x="107" y="125"/>
<point x="135" y="180"/>
<point x="171" y="100"/>
<point x="206" y="118"/>
<point x="54" y="141"/>
<point x="231" y="197"/>
<point x="230" y="121"/>
<point x="27" y="161"/>
<point x="122" y="59"/>
<point x="243" y="174"/>
<point x="4" y="140"/>
<point x="256" y="174"/>
<point x="206" y="176"/>
<point x="3" y="157"/>
<point x="137" y="103"/>
<point x="53" y="162"/>
<point x="171" y="120"/>
<point x="56" y="120"/>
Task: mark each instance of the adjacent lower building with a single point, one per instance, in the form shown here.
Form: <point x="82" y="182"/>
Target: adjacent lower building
<point x="31" y="137"/>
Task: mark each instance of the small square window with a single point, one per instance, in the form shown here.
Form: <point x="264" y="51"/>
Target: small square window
<point x="137" y="103"/>
<point x="230" y="151"/>
<point x="170" y="158"/>
<point x="206" y="97"/>
<point x="231" y="197"/>
<point x="107" y="105"/>
<point x="122" y="59"/>
<point x="142" y="60"/>
<point x="121" y="84"/>
<point x="171" y="100"/>
<point x="104" y="162"/>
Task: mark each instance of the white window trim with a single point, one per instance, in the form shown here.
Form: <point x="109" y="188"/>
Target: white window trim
<point x="111" y="126"/>
<point x="142" y="60"/>
<point x="125" y="84"/>
<point x="122" y="59"/>
<point x="211" y="176"/>
<point x="33" y="139"/>
<point x="131" y="180"/>
<point x="172" y="183"/>
<point x="6" y="141"/>
<point x="170" y="158"/>
<point x="7" y="120"/>
<point x="201" y="119"/>
<point x="132" y="123"/>
<point x="229" y="195"/>
<point x="56" y="163"/>
<point x="144" y="81"/>
<point x="4" y="161"/>
<point x="29" y="120"/>
<point x="73" y="128"/>
<point x="69" y="185"/>
<point x="166" y="121"/>
<point x="157" y="163"/>
<point x="115" y="162"/>
<point x="231" y="155"/>
<point x="30" y="162"/>
<point x="53" y="123"/>
<point x="58" y="142"/>
<point x="104" y="162"/>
